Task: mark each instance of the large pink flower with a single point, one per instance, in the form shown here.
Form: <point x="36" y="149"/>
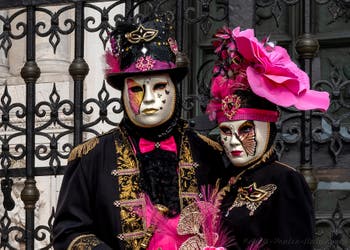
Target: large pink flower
<point x="274" y="76"/>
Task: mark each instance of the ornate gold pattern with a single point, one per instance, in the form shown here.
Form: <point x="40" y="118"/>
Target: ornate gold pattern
<point x="185" y="150"/>
<point x="84" y="242"/>
<point x="252" y="196"/>
<point x="83" y="149"/>
<point x="141" y="34"/>
<point x="131" y="200"/>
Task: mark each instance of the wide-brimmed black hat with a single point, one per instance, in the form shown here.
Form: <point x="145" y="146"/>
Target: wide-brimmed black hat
<point x="145" y="48"/>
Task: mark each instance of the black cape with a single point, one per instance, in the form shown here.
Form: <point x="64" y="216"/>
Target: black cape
<point x="86" y="212"/>
<point x="271" y="202"/>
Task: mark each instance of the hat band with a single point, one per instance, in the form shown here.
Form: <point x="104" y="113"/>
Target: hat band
<point x="262" y="115"/>
<point x="149" y="66"/>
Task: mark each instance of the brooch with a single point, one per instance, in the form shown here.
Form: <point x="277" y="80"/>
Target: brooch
<point x="252" y="197"/>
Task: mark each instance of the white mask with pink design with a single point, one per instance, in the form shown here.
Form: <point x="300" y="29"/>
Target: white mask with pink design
<point x="149" y="100"/>
<point x="244" y="141"/>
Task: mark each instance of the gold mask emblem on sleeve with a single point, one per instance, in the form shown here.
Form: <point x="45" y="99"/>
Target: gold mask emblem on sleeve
<point x="252" y="197"/>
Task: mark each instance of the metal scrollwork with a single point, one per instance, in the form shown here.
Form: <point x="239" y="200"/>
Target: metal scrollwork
<point x="59" y="111"/>
<point x="289" y="131"/>
<point x="332" y="128"/>
<point x="149" y="9"/>
<point x="203" y="80"/>
<point x="337" y="9"/>
<point x="336" y="232"/>
<point x="104" y="26"/>
<point x="40" y="234"/>
<point x="205" y="18"/>
<point x="56" y="107"/>
<point x="105" y="104"/>
<point x="54" y="30"/>
<point x="331" y="131"/>
<point x="9" y="112"/>
<point x="6" y="229"/>
<point x="266" y="9"/>
<point x="7" y="31"/>
<point x="6" y="188"/>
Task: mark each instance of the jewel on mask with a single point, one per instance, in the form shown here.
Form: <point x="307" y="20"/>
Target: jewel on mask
<point x="230" y="105"/>
<point x="145" y="63"/>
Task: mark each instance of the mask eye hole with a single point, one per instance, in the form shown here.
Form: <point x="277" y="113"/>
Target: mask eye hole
<point x="226" y="131"/>
<point x="136" y="89"/>
<point x="246" y="128"/>
<point x="160" y="86"/>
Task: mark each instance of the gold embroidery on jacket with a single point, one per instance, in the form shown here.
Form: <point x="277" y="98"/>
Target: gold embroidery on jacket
<point x="252" y="196"/>
<point x="188" y="188"/>
<point x="131" y="200"/>
<point x="84" y="242"/>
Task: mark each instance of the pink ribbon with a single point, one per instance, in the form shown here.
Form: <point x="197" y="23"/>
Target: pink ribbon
<point x="168" y="144"/>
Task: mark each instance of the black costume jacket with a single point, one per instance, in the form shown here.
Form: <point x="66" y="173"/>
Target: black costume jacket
<point x="101" y="188"/>
<point x="269" y="202"/>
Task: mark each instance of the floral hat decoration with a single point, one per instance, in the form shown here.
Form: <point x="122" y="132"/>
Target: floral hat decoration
<point x="144" y="48"/>
<point x="251" y="78"/>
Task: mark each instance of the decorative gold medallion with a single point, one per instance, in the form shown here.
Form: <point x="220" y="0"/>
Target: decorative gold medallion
<point x="85" y="241"/>
<point x="252" y="197"/>
<point x="141" y="34"/>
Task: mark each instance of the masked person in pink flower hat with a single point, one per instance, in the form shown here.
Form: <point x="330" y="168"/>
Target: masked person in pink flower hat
<point x="265" y="201"/>
<point x="121" y="188"/>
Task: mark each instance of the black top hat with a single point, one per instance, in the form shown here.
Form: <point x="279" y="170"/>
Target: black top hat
<point x="145" y="48"/>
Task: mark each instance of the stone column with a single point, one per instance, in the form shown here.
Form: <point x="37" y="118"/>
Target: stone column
<point x="4" y="66"/>
<point x="53" y="64"/>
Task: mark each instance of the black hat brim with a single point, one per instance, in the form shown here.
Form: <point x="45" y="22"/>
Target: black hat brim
<point x="116" y="80"/>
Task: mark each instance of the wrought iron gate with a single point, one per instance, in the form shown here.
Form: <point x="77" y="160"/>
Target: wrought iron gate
<point x="38" y="131"/>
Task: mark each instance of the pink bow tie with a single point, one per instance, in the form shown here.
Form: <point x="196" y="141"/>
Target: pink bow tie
<point x="168" y="145"/>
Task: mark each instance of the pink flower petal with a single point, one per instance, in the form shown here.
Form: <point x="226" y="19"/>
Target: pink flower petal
<point x="312" y="99"/>
<point x="282" y="96"/>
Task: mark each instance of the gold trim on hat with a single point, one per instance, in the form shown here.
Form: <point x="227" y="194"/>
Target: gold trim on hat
<point x="141" y="34"/>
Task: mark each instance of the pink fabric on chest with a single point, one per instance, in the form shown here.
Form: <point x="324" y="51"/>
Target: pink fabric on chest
<point x="165" y="236"/>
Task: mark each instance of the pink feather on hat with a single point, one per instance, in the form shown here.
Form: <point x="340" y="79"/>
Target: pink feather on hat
<point x="112" y="62"/>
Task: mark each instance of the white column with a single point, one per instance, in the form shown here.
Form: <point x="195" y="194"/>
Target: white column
<point x="53" y="65"/>
<point x="4" y="66"/>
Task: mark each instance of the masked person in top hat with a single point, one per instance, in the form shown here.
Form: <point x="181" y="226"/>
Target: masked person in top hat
<point x="152" y="160"/>
<point x="265" y="201"/>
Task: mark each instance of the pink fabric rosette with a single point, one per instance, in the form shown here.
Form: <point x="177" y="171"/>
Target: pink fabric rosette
<point x="274" y="76"/>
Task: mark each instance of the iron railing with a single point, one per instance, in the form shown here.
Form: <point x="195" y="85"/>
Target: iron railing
<point x="37" y="135"/>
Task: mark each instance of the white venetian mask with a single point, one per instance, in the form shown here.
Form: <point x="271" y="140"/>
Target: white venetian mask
<point x="149" y="100"/>
<point x="244" y="141"/>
